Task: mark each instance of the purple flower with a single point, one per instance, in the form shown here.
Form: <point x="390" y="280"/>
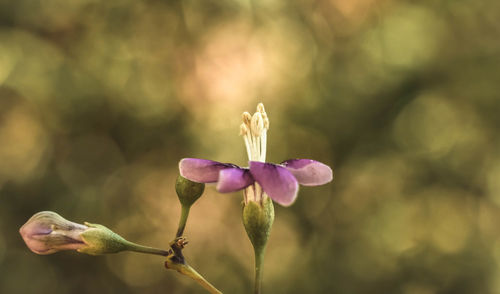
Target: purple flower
<point x="47" y="232"/>
<point x="278" y="181"/>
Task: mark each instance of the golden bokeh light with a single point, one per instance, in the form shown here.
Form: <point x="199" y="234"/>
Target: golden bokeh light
<point x="100" y="100"/>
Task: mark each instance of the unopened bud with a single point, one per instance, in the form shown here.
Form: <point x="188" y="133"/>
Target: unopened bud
<point x="188" y="191"/>
<point x="47" y="232"/>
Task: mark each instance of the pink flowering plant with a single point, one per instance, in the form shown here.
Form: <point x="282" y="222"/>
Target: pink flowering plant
<point x="262" y="183"/>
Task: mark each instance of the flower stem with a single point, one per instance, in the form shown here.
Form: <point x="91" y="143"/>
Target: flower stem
<point x="185" y="269"/>
<point x="258" y="220"/>
<point x="145" y="249"/>
<point x="183" y="220"/>
<point x="259" y="260"/>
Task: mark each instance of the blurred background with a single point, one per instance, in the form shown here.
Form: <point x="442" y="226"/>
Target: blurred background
<point x="99" y="100"/>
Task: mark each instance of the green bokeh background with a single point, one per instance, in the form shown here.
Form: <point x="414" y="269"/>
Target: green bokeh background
<point x="99" y="100"/>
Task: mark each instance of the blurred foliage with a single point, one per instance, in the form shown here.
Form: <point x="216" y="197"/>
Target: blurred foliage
<point x="100" y="99"/>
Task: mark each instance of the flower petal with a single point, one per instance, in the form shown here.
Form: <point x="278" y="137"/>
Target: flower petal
<point x="47" y="232"/>
<point x="202" y="170"/>
<point x="309" y="172"/>
<point x="276" y="181"/>
<point x="234" y="179"/>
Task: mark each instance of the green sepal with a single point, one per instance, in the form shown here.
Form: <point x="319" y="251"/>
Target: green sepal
<point x="101" y="240"/>
<point x="258" y="220"/>
<point x="188" y="191"/>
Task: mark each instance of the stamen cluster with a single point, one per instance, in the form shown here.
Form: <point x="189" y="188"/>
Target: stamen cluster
<point x="254" y="131"/>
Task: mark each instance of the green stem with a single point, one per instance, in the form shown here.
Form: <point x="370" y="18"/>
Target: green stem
<point x="183" y="220"/>
<point x="190" y="272"/>
<point x="145" y="249"/>
<point x="259" y="260"/>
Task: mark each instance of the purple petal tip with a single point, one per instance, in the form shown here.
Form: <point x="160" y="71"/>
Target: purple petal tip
<point x="201" y="170"/>
<point x="309" y="172"/>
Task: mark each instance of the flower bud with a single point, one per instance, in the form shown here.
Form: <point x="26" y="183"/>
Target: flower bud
<point x="47" y="232"/>
<point x="188" y="191"/>
<point x="258" y="219"/>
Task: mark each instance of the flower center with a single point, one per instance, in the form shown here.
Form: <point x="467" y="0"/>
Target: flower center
<point x="254" y="131"/>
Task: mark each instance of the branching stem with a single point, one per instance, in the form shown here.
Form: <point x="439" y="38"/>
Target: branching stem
<point x="175" y="260"/>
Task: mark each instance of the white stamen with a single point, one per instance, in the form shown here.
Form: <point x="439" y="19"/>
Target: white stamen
<point x="254" y="132"/>
<point x="246" y="118"/>
<point x="244" y="132"/>
<point x="266" y="121"/>
<point x="257" y="124"/>
<point x="263" y="139"/>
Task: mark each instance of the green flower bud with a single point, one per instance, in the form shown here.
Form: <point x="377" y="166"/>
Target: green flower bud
<point x="258" y="220"/>
<point x="188" y="191"/>
<point x="101" y="240"/>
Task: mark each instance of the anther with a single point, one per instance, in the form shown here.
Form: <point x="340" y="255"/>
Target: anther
<point x="260" y="108"/>
<point x="266" y="121"/>
<point x="243" y="129"/>
<point x="257" y="124"/>
<point x="246" y="118"/>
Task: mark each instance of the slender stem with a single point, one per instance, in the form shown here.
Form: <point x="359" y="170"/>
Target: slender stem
<point x="259" y="260"/>
<point x="185" y="269"/>
<point x="183" y="220"/>
<point x="145" y="249"/>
